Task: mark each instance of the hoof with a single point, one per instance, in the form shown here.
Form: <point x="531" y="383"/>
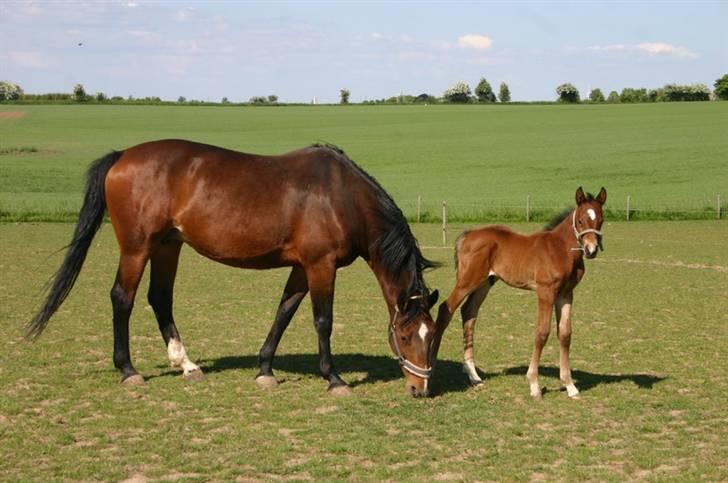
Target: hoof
<point x="341" y="390"/>
<point x="196" y="375"/>
<point x="133" y="380"/>
<point x="266" y="382"/>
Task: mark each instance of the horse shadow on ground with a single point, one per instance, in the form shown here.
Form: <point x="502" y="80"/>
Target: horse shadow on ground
<point x="588" y="380"/>
<point x="448" y="375"/>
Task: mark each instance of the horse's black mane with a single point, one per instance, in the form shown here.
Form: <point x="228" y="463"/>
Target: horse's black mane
<point x="556" y="220"/>
<point x="396" y="245"/>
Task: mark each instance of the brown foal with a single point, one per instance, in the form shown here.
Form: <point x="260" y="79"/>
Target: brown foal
<point x="550" y="262"/>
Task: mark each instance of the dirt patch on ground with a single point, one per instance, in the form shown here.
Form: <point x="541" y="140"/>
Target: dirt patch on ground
<point x="11" y="115"/>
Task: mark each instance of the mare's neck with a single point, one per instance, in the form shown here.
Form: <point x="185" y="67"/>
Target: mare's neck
<point x="392" y="285"/>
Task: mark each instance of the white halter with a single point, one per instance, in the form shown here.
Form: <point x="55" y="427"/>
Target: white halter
<point x="579" y="234"/>
<point x="423" y="372"/>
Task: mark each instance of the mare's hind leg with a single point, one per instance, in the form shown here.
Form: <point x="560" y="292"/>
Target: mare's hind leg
<point x="128" y="275"/>
<point x="296" y="289"/>
<point x="563" y="329"/>
<point x="469" y="311"/>
<point x="164" y="261"/>
<point x="543" y="327"/>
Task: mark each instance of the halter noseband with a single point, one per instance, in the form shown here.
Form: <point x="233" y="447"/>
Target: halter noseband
<point x="423" y="372"/>
<point x="579" y="234"/>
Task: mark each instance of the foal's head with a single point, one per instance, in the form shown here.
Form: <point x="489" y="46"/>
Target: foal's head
<point x="587" y="221"/>
<point x="411" y="333"/>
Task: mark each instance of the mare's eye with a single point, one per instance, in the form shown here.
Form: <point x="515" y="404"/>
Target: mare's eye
<point x="404" y="339"/>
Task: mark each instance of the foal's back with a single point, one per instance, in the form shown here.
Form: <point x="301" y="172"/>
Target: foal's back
<point x="519" y="260"/>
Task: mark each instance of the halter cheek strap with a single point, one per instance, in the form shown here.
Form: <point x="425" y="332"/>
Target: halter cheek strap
<point x="579" y="234"/>
<point x="423" y="372"/>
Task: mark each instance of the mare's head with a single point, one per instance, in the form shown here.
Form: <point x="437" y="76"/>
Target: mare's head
<point x="411" y="333"/>
<point x="587" y="221"/>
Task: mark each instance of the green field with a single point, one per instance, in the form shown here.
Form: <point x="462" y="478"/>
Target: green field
<point x="648" y="354"/>
<point x="483" y="160"/>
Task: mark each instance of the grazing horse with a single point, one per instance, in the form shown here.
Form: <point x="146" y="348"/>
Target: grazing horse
<point x="550" y="262"/>
<point x="312" y="209"/>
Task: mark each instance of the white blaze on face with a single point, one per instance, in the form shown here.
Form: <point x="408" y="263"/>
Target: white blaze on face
<point x="592" y="214"/>
<point x="423" y="331"/>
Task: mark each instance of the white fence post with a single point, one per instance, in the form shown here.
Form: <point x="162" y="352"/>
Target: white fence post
<point x="528" y="208"/>
<point x="719" y="207"/>
<point x="628" y="200"/>
<point x="444" y="223"/>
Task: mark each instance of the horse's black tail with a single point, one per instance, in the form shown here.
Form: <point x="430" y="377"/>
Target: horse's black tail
<point x="89" y="221"/>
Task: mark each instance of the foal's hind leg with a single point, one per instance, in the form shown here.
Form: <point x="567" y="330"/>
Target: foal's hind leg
<point x="164" y="263"/>
<point x="295" y="291"/>
<point x="128" y="275"/>
<point x="543" y="327"/>
<point x="563" y="328"/>
<point x="469" y="312"/>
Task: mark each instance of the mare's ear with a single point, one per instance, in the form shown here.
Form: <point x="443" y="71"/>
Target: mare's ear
<point x="432" y="299"/>
<point x="580" y="197"/>
<point x="602" y="196"/>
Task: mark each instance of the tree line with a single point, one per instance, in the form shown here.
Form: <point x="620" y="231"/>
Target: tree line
<point x="458" y="93"/>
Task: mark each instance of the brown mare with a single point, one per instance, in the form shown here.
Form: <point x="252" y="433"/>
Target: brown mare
<point x="550" y="262"/>
<point x="313" y="210"/>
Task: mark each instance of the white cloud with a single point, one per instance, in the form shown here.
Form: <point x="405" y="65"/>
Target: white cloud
<point x="184" y="14"/>
<point x="651" y="48"/>
<point x="34" y="60"/>
<point x="659" y="48"/>
<point x="474" y="41"/>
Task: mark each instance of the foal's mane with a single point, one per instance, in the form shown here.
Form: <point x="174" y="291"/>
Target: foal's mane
<point x="395" y="244"/>
<point x="556" y="220"/>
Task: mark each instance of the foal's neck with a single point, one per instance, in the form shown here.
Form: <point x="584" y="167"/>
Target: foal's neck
<point x="565" y="232"/>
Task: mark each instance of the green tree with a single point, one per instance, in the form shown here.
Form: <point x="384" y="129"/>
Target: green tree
<point x="79" y="93"/>
<point x="344" y="96"/>
<point x="484" y="91"/>
<point x="10" y="91"/>
<point x="721" y="88"/>
<point x="613" y="97"/>
<point x="596" y="95"/>
<point x="459" y="92"/>
<point x="273" y="99"/>
<point x="181" y="99"/>
<point x="568" y="93"/>
<point x="504" y="95"/>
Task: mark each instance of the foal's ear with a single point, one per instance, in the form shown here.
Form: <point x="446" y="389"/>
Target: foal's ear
<point x="580" y="197"/>
<point x="432" y="299"/>
<point x="602" y="196"/>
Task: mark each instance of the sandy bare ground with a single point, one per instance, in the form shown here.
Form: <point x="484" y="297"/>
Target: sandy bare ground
<point x="11" y="115"/>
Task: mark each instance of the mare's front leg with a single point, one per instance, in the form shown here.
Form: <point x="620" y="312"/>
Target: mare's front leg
<point x="563" y="328"/>
<point x="543" y="327"/>
<point x="296" y="289"/>
<point x="321" y="278"/>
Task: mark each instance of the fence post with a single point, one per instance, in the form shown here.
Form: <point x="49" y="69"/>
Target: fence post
<point x="719" y="207"/>
<point x="444" y="223"/>
<point x="419" y="208"/>
<point x="628" y="199"/>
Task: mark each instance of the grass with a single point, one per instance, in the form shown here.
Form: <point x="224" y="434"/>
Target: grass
<point x="648" y="354"/>
<point x="483" y="160"/>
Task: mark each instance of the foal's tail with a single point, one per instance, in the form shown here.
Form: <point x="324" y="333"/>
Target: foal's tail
<point x="89" y="221"/>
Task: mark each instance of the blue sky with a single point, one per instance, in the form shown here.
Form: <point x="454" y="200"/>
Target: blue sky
<point x="305" y="50"/>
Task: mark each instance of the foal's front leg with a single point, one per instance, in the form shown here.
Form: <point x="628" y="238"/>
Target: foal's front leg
<point x="543" y="327"/>
<point x="563" y="325"/>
